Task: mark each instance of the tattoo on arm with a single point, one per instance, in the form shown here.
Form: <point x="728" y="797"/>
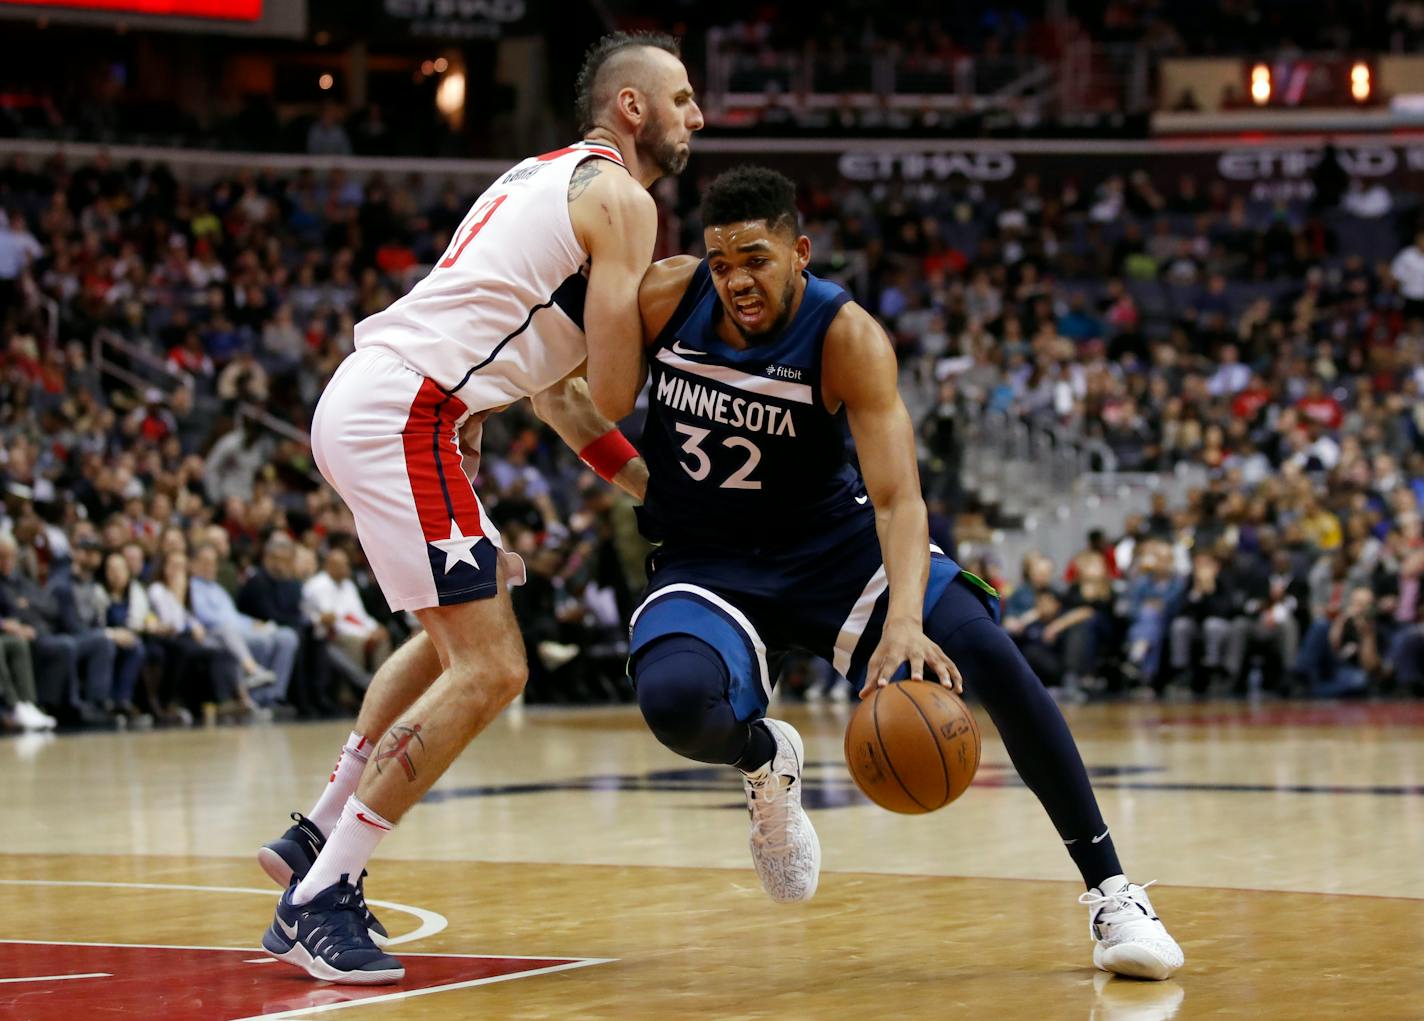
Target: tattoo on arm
<point x="396" y="747"/>
<point x="584" y="174"/>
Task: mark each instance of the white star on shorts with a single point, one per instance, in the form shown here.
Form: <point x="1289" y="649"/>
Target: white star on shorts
<point x="459" y="548"/>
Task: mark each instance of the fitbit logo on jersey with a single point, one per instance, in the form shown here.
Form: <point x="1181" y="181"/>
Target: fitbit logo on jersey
<point x="738" y="412"/>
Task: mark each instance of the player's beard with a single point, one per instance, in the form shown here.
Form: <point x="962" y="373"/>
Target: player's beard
<point x="653" y="141"/>
<point x="772" y="332"/>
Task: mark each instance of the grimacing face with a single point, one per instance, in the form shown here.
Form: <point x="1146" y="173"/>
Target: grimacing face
<point x="757" y="273"/>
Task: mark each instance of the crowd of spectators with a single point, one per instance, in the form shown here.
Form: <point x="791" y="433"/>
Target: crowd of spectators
<point x="1276" y="347"/>
<point x="170" y="556"/>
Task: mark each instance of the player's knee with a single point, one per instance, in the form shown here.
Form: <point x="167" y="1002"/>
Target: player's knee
<point x="677" y="679"/>
<point x="497" y="678"/>
<point x="508" y="680"/>
<point x="991" y="664"/>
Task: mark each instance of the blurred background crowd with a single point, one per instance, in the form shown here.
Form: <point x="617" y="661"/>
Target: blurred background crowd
<point x="169" y="554"/>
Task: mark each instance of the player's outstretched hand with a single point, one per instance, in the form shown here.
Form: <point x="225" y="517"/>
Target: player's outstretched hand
<point x="903" y="642"/>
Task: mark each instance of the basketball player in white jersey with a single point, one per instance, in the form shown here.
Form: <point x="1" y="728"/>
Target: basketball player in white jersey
<point x="540" y="280"/>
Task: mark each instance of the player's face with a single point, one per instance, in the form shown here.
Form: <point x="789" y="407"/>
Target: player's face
<point x="757" y="273"/>
<point x="665" y="136"/>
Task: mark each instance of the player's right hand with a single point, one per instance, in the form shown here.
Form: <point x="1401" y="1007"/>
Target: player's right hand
<point x="906" y="642"/>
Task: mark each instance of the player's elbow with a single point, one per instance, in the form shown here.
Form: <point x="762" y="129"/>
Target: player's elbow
<point x="549" y="405"/>
<point x="897" y="503"/>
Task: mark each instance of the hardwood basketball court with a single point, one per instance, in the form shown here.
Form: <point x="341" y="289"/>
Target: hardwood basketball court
<point x="569" y="867"/>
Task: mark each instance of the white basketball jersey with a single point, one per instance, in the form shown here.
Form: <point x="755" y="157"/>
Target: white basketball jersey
<point x="500" y="316"/>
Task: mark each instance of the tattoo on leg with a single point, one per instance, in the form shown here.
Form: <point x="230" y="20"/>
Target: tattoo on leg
<point x="397" y="747"/>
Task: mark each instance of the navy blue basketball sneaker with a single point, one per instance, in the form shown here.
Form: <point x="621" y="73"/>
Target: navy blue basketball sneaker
<point x="292" y="855"/>
<point x="327" y="938"/>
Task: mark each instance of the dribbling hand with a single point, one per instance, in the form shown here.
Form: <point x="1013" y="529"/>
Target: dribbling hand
<point x="903" y="642"/>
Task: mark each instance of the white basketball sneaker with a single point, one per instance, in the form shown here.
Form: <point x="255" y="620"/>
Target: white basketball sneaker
<point x="784" y="846"/>
<point x="1130" y="938"/>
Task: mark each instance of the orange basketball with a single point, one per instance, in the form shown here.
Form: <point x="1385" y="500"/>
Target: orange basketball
<point x="912" y="746"/>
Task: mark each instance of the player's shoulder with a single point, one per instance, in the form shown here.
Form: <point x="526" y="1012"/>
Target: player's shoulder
<point x="857" y="353"/>
<point x="853" y="330"/>
<point x="662" y="290"/>
<point x="606" y="205"/>
<point x="598" y="180"/>
<point x="672" y="274"/>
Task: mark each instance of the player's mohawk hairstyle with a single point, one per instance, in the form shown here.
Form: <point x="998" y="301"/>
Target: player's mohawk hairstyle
<point x="589" y="91"/>
<point x="751" y="193"/>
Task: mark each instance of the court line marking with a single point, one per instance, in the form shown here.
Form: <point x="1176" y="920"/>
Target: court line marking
<point x="56" y="978"/>
<point x="250" y="950"/>
<point x="409" y="994"/>
<point x="431" y="922"/>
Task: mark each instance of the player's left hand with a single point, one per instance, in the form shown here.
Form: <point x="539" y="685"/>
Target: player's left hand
<point x="906" y="642"/>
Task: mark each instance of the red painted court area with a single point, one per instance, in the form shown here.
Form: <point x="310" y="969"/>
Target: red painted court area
<point x="59" y="982"/>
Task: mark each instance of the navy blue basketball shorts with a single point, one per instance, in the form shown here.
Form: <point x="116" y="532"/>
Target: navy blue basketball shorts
<point x="826" y="596"/>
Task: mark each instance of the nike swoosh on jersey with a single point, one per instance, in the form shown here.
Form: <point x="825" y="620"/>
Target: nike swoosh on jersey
<point x="861" y="499"/>
<point x="678" y="349"/>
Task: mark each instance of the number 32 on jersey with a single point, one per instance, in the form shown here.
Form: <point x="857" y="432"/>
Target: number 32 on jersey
<point x="701" y="465"/>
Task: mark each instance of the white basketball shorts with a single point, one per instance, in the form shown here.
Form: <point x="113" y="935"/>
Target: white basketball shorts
<point x="387" y="439"/>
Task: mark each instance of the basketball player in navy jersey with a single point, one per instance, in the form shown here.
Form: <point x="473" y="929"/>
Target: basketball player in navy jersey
<point x="769" y="540"/>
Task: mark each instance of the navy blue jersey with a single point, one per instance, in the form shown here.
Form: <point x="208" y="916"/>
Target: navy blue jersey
<point x="768" y="536"/>
<point x="741" y="451"/>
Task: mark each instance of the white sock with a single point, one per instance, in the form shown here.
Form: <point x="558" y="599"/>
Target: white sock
<point x="342" y="784"/>
<point x="347" y="850"/>
<point x="1112" y="884"/>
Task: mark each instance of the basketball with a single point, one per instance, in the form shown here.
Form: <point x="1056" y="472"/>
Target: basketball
<point x="912" y="747"/>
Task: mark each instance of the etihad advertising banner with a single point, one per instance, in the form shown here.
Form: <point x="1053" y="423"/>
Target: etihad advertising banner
<point x="224" y="10"/>
<point x="1263" y="171"/>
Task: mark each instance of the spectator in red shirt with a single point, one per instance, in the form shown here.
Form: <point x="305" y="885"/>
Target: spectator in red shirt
<point x="1247" y="404"/>
<point x="1098" y="544"/>
<point x="152" y="420"/>
<point x="1319" y="407"/>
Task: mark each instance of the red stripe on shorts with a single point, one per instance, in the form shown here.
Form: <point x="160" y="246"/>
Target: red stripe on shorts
<point x="432" y="463"/>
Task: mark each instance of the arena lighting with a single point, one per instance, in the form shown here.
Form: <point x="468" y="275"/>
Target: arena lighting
<point x="223" y="10"/>
<point x="1260" y="84"/>
<point x="450" y="96"/>
<point x="441" y="65"/>
<point x="325" y="82"/>
<point x="1360" y="81"/>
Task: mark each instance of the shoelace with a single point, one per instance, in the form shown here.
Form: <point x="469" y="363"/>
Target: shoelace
<point x="344" y="927"/>
<point x="771" y="795"/>
<point x="1114" y="902"/>
<point x="361" y="896"/>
